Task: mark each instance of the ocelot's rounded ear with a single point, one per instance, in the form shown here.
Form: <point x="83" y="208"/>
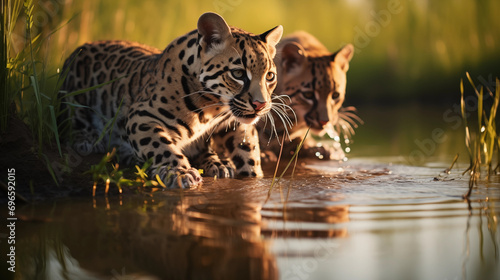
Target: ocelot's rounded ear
<point x="293" y="57"/>
<point x="343" y="56"/>
<point x="213" y="29"/>
<point x="272" y="36"/>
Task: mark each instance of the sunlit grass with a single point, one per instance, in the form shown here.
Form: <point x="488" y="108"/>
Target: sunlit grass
<point x="426" y="42"/>
<point x="294" y="158"/>
<point x="29" y="84"/>
<point x="109" y="173"/>
<point x="481" y="139"/>
<point x="9" y="15"/>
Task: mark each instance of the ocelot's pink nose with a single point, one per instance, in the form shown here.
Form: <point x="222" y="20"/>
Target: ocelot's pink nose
<point x="258" y="106"/>
<point x="323" y="123"/>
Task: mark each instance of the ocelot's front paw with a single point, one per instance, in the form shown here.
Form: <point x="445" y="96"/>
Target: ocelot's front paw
<point x="250" y="170"/>
<point x="87" y="147"/>
<point x="180" y="177"/>
<point x="268" y="156"/>
<point x="221" y="170"/>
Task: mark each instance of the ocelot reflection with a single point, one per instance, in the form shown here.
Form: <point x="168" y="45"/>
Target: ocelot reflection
<point x="211" y="234"/>
<point x="294" y="221"/>
<point x="167" y="237"/>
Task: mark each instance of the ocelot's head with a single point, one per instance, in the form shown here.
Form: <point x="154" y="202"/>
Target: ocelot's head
<point x="237" y="67"/>
<point x="315" y="84"/>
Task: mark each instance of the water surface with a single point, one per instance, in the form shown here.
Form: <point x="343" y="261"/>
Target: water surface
<point x="359" y="219"/>
<point x="375" y="216"/>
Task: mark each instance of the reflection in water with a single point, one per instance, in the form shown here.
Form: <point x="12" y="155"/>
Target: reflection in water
<point x="312" y="222"/>
<point x="334" y="222"/>
<point x="49" y="259"/>
<point x="168" y="236"/>
<point x="488" y="241"/>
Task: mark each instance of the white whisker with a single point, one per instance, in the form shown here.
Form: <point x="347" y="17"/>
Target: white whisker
<point x="221" y="115"/>
<point x="283" y="117"/>
<point x="286" y="122"/>
<point x="283" y="109"/>
<point x="273" y="129"/>
<point x="347" y="121"/>
<point x="351" y="114"/>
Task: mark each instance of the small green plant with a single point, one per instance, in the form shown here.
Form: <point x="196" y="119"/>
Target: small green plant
<point x="482" y="140"/>
<point x="110" y="173"/>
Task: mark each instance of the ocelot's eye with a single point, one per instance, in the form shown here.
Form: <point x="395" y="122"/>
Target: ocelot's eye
<point x="308" y="94"/>
<point x="335" y="95"/>
<point x="238" y="74"/>
<point x="270" y="76"/>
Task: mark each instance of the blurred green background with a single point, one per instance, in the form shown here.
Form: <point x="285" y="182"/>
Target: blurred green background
<point x="410" y="55"/>
<point x="406" y="50"/>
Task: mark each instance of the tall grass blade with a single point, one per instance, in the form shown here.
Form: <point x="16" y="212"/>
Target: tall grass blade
<point x="289" y="162"/>
<point x="48" y="164"/>
<point x="10" y="11"/>
<point x="53" y="126"/>
<point x="4" y="90"/>
<point x="447" y="170"/>
<point x="276" y="169"/>
<point x="464" y="118"/>
<point x="481" y="144"/>
<point x="480" y="111"/>
<point x="471" y="82"/>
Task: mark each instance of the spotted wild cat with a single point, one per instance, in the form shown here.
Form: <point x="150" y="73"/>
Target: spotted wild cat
<point x="314" y="80"/>
<point x="168" y="103"/>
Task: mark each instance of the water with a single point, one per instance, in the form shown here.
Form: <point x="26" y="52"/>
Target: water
<point x="374" y="216"/>
<point x="354" y="220"/>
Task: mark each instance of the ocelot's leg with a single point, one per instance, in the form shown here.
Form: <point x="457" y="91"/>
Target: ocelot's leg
<point x="152" y="140"/>
<point x="205" y="158"/>
<point x="119" y="139"/>
<point x="241" y="147"/>
<point x="86" y="131"/>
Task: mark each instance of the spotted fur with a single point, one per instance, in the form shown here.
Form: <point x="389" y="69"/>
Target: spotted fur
<point x="314" y="80"/>
<point x="168" y="104"/>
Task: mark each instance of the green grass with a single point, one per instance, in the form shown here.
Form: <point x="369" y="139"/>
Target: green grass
<point x="427" y="43"/>
<point x="31" y="80"/>
<point x="108" y="172"/>
<point x="8" y="17"/>
<point x="481" y="137"/>
<point x="31" y="87"/>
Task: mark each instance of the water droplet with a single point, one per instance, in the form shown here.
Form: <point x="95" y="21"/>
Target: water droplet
<point x="336" y="138"/>
<point x="346" y="141"/>
<point x="347" y="150"/>
<point x="483" y="129"/>
<point x="319" y="155"/>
